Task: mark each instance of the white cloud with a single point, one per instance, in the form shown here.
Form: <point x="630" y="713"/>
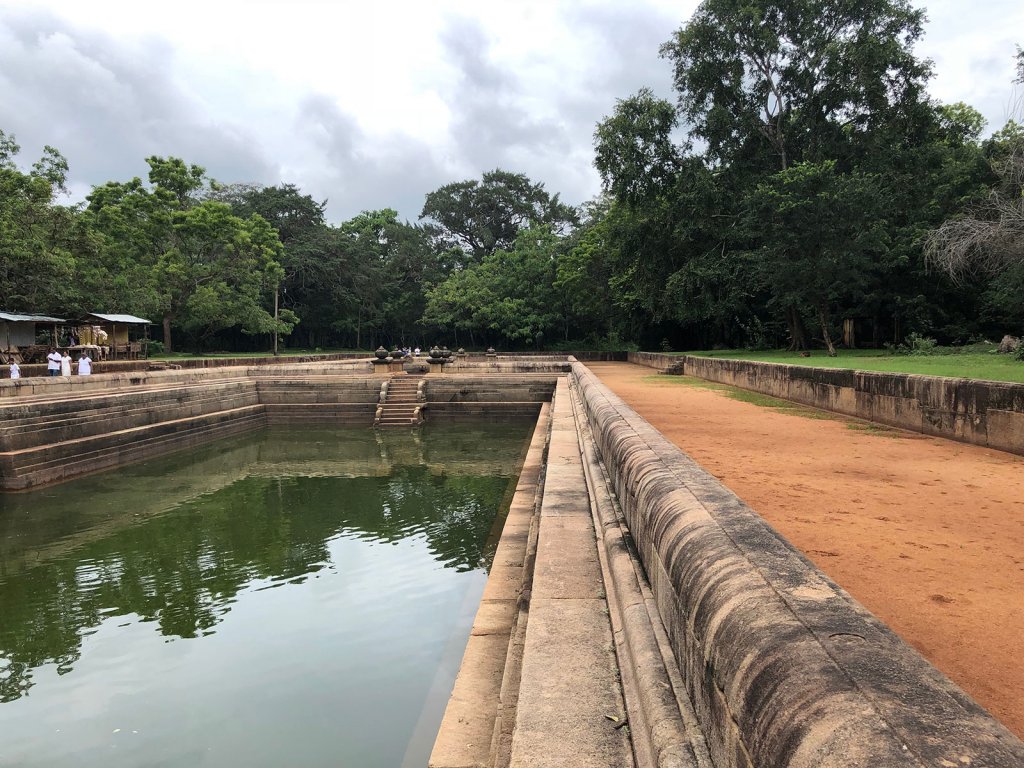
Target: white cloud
<point x="375" y="104"/>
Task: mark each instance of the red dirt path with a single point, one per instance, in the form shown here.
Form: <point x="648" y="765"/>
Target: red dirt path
<point x="927" y="533"/>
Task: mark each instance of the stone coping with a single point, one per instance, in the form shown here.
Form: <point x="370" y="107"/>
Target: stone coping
<point x="781" y="665"/>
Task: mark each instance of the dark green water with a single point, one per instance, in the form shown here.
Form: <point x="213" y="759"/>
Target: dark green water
<point x="289" y="598"/>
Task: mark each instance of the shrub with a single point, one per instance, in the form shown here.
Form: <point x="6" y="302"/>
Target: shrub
<point x="916" y="344"/>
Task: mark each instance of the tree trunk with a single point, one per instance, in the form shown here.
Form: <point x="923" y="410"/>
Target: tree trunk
<point x="167" y="334"/>
<point x="797" y="333"/>
<point x="823" y="319"/>
<point x="850" y="333"/>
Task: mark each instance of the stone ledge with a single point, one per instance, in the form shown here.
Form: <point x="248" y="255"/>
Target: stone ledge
<point x="782" y="666"/>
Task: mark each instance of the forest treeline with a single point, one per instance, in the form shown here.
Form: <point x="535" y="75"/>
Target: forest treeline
<point x="803" y="188"/>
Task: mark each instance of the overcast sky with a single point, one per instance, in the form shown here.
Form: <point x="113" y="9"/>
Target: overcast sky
<point x="374" y="104"/>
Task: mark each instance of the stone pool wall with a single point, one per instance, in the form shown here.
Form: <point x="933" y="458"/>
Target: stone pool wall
<point x="134" y="366"/>
<point x="782" y="667"/>
<point x="988" y="413"/>
<point x="56" y="429"/>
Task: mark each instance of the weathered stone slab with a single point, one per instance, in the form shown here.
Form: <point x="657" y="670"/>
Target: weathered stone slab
<point x="569" y="692"/>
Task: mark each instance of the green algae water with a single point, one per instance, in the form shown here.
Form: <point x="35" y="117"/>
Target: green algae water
<point x="286" y="598"/>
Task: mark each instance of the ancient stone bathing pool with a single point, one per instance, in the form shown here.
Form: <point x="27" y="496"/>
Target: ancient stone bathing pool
<point x="283" y="598"/>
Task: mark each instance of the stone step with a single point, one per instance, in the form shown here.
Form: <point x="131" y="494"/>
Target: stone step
<point x="39" y="417"/>
<point x="578" y="721"/>
<point x="77" y="394"/>
<point x="43" y="431"/>
<point x="24" y="410"/>
<point x="61" y="461"/>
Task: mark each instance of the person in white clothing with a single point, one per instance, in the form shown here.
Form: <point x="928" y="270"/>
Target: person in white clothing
<point x="15" y="370"/>
<point x="65" y="365"/>
<point x="85" y="365"/>
<point x="53" y="363"/>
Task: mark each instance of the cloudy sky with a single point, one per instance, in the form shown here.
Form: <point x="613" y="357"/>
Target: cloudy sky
<point x="374" y="104"/>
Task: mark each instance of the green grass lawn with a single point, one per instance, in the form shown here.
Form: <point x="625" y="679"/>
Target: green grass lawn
<point x="979" y="361"/>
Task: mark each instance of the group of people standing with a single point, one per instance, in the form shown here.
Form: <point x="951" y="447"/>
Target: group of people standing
<point x="58" y="364"/>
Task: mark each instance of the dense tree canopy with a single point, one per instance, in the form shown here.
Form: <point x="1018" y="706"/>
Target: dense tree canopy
<point x="790" y="196"/>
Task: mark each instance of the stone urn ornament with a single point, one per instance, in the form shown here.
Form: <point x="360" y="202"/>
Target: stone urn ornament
<point x="491" y="352"/>
<point x="435" y="353"/>
<point x="397" y="354"/>
<point x="381" y="353"/>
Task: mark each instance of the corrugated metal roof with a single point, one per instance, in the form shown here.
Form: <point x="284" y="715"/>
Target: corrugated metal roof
<point x="119" y="318"/>
<point x="29" y="318"/>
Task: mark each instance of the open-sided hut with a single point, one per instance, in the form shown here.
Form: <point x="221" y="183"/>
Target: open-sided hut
<point x="18" y="334"/>
<point x="123" y="334"/>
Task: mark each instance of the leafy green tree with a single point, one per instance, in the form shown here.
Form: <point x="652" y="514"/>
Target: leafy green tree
<point x="822" y="232"/>
<point x="672" y="226"/>
<point x="191" y="261"/>
<point x="312" y="275"/>
<point x="391" y="264"/>
<point x="583" y="277"/>
<point x="479" y="217"/>
<point x="217" y="271"/>
<point x="509" y="295"/>
<point x="766" y="84"/>
<point x="37" y="237"/>
<point x="773" y="82"/>
<point x="635" y="152"/>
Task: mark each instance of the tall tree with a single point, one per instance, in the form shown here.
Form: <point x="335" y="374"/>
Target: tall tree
<point x="509" y="295"/>
<point x="36" y="235"/>
<point x="201" y="266"/>
<point x="987" y="237"/>
<point x="479" y="217"/>
<point x="766" y="84"/>
<point x="773" y="82"/>
<point x="672" y="225"/>
<point x="821" y="233"/>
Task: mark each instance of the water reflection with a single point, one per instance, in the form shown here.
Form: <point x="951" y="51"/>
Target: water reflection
<point x="179" y="544"/>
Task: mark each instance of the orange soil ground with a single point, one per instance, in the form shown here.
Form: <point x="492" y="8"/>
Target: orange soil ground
<point x="927" y="533"/>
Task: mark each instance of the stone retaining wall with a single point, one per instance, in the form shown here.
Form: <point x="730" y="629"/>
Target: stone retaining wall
<point x="56" y="429"/>
<point x="127" y="366"/>
<point x="783" y="668"/>
<point x="656" y="360"/>
<point x="987" y="413"/>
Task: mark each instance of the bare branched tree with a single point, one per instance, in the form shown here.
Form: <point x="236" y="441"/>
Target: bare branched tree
<point x="989" y="238"/>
